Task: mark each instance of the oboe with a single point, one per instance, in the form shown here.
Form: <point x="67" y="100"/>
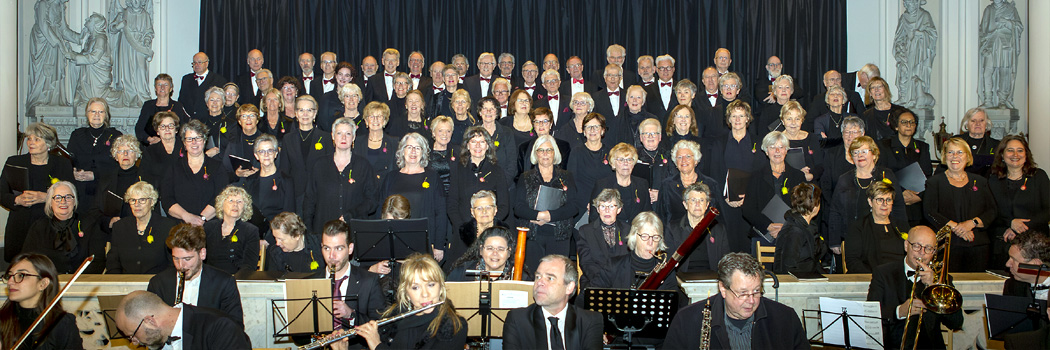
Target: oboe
<point x="705" y="328"/>
<point x="180" y="286"/>
<point x="340" y="335"/>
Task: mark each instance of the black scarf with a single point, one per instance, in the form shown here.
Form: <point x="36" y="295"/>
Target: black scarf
<point x="65" y="233"/>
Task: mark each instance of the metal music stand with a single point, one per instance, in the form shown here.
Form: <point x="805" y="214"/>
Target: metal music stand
<point x="845" y="319"/>
<point x="391" y="240"/>
<point x="633" y="313"/>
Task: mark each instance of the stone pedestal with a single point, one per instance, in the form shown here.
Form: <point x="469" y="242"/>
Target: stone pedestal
<point x="65" y="119"/>
<point x="1004" y="121"/>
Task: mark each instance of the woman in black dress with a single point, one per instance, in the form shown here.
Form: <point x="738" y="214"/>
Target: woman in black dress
<point x="240" y="145"/>
<point x="492" y="252"/>
<point x="441" y="155"/>
<point x="874" y="239"/>
<point x="343" y="186"/>
<point x="774" y="178"/>
<point x="376" y="146"/>
<point x="90" y="147"/>
<point x="602" y="239"/>
<point x="828" y="127"/>
<point x="901" y="152"/>
<point x="158" y="157"/>
<point x="976" y="131"/>
<point x="550" y="222"/>
<point x="713" y="245"/>
<point x="1022" y="193"/>
<point x="518" y="118"/>
<point x="849" y="204"/>
<point x="272" y="191"/>
<point x="109" y="205"/>
<point x="589" y="161"/>
<point x="475" y="170"/>
<point x="504" y="143"/>
<point x="880" y="117"/>
<point x="681" y="125"/>
<point x="229" y="108"/>
<point x="633" y="190"/>
<point x="572" y="131"/>
<point x="216" y="124"/>
<point x="422" y="284"/>
<point x="483" y="212"/>
<point x="303" y="147"/>
<point x="271" y="121"/>
<point x="205" y="175"/>
<point x="145" y="130"/>
<point x="233" y="242"/>
<point x="295" y="249"/>
<point x="736" y="152"/>
<point x="32" y="283"/>
<point x="412" y="119"/>
<point x="964" y="202"/>
<point x="421" y="185"/>
<point x="460" y="113"/>
<point x="65" y="236"/>
<point x="801" y="142"/>
<point x="770" y="118"/>
<point x="799" y="247"/>
<point x="138" y="243"/>
<point x="542" y="121"/>
<point x="24" y="183"/>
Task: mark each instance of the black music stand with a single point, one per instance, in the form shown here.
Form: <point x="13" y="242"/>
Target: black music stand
<point x="633" y="313"/>
<point x="845" y="319"/>
<point x="321" y="322"/>
<point x="391" y="240"/>
<point x="485" y="302"/>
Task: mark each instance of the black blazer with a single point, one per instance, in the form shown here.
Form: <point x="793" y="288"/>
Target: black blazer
<point x="229" y="255"/>
<point x="297" y="166"/>
<point x="890" y="287"/>
<point x="364" y="286"/>
<point x="42" y="237"/>
<point x="865" y="238"/>
<point x="134" y="254"/>
<point x="244" y="83"/>
<point x="204" y="328"/>
<point x="654" y="101"/>
<point x="376" y="89"/>
<point x="776" y="326"/>
<point x="761" y="189"/>
<point x="473" y="85"/>
<point x="18" y="175"/>
<point x="191" y="95"/>
<point x="218" y="291"/>
<point x="464" y="182"/>
<point x="332" y="194"/>
<point x="596" y="255"/>
<point x="526" y="329"/>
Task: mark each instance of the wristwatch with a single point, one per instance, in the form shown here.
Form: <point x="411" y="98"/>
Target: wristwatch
<point x="974" y="222"/>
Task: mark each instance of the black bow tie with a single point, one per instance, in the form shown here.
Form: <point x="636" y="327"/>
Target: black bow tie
<point x="911" y="273"/>
<point x="171" y="340"/>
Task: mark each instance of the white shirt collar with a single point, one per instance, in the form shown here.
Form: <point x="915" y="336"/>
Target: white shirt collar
<point x="177" y="331"/>
<point x="561" y="323"/>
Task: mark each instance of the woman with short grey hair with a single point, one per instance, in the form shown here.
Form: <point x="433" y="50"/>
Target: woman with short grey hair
<point x="422" y="186"/>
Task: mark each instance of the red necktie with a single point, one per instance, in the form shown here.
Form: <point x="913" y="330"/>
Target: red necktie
<point x="308" y="78"/>
<point x="414" y="76"/>
<point x="667" y="84"/>
<point x="552" y="98"/>
<point x="614" y="93"/>
<point x="485" y="79"/>
<point x="577" y="81"/>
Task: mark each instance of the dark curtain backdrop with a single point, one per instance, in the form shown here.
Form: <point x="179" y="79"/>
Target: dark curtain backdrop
<point x="808" y="35"/>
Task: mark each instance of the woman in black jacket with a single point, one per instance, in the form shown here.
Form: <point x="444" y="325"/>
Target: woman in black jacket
<point x="65" y="236"/>
<point x="799" y="247"/>
<point x="548" y="217"/>
<point x="421" y="186"/>
<point x="714" y="244"/>
<point x="473" y="171"/>
<point x="964" y="202"/>
<point x="233" y="242"/>
<point x="774" y="179"/>
<point x="492" y="252"/>
<point x="138" y="241"/>
<point x="109" y="205"/>
<point x="874" y="239"/>
<point x="90" y="147"/>
<point x="1022" y="193"/>
<point x="903" y="150"/>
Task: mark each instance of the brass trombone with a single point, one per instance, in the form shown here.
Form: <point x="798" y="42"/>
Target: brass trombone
<point x="939" y="296"/>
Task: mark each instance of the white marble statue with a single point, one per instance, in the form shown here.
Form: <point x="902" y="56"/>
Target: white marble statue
<point x="95" y="64"/>
<point x="50" y="37"/>
<point x="131" y="32"/>
<point x="914" y="48"/>
<point x="999" y="41"/>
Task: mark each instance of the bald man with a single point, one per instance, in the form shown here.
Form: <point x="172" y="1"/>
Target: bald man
<point x="191" y="93"/>
<point x="246" y="80"/>
<point x="146" y="320"/>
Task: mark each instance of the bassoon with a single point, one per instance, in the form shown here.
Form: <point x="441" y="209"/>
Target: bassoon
<point x="664" y="269"/>
<point x="519" y="254"/>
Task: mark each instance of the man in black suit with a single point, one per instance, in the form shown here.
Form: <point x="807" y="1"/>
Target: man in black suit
<point x="552" y="98"/>
<point x="381" y="86"/>
<point x="361" y="297"/>
<point x="723" y="58"/>
<point x="550" y="61"/>
<point x="576" y="82"/>
<point x="1027" y="248"/>
<point x="891" y="284"/>
<point x="551" y="323"/>
<point x="506" y="63"/>
<point x="646" y="70"/>
<point x="480" y="85"/>
<point x="306" y="64"/>
<point x="611" y="103"/>
<point x="145" y="319"/>
<point x="205" y="285"/>
<point x="326" y="82"/>
<point x="462" y="65"/>
<point x="191" y="94"/>
<point x="764" y="85"/>
<point x="615" y="54"/>
<point x="416" y="62"/>
<point x="858" y="81"/>
<point x="264" y="80"/>
<point x="432" y="85"/>
<point x="660" y="95"/>
<point x="246" y="79"/>
<point x="368" y="69"/>
<point x="740" y="317"/>
<point x="529" y="73"/>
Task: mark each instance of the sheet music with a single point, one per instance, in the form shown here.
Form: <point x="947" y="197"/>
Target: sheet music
<point x="855" y="309"/>
<point x="513" y="299"/>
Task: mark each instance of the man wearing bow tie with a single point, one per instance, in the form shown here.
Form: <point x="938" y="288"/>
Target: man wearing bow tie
<point x="890" y="285"/>
<point x="462" y="66"/>
<point x="480" y="85"/>
<point x="615" y="54"/>
<point x="368" y="69"/>
<point x="661" y="94"/>
<point x="722" y="61"/>
<point x="432" y="85"/>
<point x="764" y="85"/>
<point x="326" y="82"/>
<point x="306" y="63"/>
<point x="609" y="102"/>
<point x="246" y="79"/>
<point x="706" y="113"/>
<point x="381" y="86"/>
<point x="818" y="107"/>
<point x="145" y="319"/>
<point x="554" y="98"/>
<point x="550" y="61"/>
<point x="529" y="72"/>
<point x="416" y="62"/>
<point x="506" y="65"/>
<point x="646" y="71"/>
<point x="576" y="83"/>
<point x="191" y="94"/>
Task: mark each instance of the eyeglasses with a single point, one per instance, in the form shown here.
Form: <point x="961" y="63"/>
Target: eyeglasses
<point x="650" y="134"/>
<point x="653" y="238"/>
<point x="755" y="294"/>
<point x="195" y="139"/>
<point x="696" y="200"/>
<point x="266" y="152"/>
<point x="16" y="277"/>
<point x="413" y="148"/>
<point x="485" y="209"/>
<point x="137" y="201"/>
<point x="861" y="151"/>
<point x="124" y="152"/>
<point x="883" y="201"/>
<point x="664" y="69"/>
<point x="551" y="81"/>
<point x="492" y="249"/>
<point x="605" y="207"/>
<point x="730" y="86"/>
<point x="908" y="122"/>
<point x="247" y="116"/>
<point x="593" y="128"/>
<point x="541" y="122"/>
<point x="681" y="158"/>
<point x="625" y="160"/>
<point x="579" y="103"/>
<point x="853" y="132"/>
<point x="136" y="331"/>
<point x="544" y="150"/>
<point x="919" y="248"/>
<point x="613" y="75"/>
<point x="63" y="199"/>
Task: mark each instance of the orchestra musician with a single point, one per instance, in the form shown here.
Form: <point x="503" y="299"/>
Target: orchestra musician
<point x="550" y="322"/>
<point x="32" y="282"/>
<point x="358" y="297"/>
<point x="147" y="320"/>
<point x="205" y="285"/>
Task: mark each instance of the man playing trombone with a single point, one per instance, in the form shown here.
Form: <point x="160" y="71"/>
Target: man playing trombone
<point x="891" y="284"/>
